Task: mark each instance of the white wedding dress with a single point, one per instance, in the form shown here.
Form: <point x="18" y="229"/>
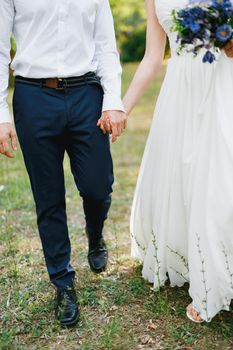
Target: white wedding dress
<point x="182" y="215"/>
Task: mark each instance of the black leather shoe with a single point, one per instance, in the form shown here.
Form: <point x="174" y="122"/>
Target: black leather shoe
<point x="67" y="311"/>
<point x="98" y="255"/>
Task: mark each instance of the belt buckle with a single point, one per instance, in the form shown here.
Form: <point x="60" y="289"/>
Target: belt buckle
<point x="61" y="84"/>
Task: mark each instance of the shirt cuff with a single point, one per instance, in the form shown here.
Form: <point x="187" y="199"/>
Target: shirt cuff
<point x="112" y="103"/>
<point x="5" y="116"/>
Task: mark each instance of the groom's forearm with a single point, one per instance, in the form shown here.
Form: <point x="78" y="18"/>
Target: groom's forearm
<point x="6" y="25"/>
<point x="109" y="71"/>
<point x="106" y="55"/>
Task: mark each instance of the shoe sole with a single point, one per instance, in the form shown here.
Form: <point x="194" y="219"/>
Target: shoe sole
<point x="71" y="323"/>
<point x="100" y="270"/>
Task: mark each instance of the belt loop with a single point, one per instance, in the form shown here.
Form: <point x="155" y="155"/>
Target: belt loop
<point x="41" y="84"/>
<point x="65" y="84"/>
<point x="85" y="79"/>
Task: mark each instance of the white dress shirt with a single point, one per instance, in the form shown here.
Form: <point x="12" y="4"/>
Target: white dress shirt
<point x="59" y="38"/>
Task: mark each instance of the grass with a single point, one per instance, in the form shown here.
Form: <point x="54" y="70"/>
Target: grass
<point x="119" y="309"/>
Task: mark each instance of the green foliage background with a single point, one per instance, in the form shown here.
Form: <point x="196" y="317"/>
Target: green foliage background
<point x="130" y="24"/>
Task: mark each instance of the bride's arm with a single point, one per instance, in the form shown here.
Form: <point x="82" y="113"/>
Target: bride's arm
<point x="152" y="61"/>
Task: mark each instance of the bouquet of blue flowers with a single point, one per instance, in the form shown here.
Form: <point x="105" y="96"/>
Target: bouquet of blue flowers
<point x="204" y="24"/>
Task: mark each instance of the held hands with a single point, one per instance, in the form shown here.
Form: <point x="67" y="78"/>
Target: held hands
<point x="229" y="49"/>
<point x="8" y="140"/>
<point x="113" y="122"/>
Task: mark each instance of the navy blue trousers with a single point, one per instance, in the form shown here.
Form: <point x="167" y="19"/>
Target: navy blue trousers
<point x="48" y="124"/>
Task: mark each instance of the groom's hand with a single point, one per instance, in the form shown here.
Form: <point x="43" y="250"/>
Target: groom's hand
<point x="8" y="140"/>
<point x="113" y="122"/>
<point x="228" y="48"/>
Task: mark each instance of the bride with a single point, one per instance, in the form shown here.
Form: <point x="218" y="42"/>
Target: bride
<point x="182" y="215"/>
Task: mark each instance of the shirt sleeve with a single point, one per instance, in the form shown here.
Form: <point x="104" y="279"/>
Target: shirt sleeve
<point x="109" y="68"/>
<point x="6" y="26"/>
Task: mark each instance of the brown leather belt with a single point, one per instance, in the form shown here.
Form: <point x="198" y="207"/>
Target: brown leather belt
<point x="61" y="83"/>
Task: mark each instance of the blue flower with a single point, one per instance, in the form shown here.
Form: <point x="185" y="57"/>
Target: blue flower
<point x="192" y="25"/>
<point x="224" y="6"/>
<point x="222" y="3"/>
<point x="209" y="57"/>
<point x="224" y="33"/>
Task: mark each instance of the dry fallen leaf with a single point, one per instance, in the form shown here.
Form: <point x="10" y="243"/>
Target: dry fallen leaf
<point x="145" y="339"/>
<point x="114" y="308"/>
<point x="152" y="325"/>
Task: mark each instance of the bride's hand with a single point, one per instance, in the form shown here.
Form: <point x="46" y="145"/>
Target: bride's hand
<point x="113" y="122"/>
<point x="229" y="49"/>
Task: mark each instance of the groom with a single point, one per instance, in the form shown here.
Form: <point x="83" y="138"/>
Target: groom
<point x="68" y="74"/>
